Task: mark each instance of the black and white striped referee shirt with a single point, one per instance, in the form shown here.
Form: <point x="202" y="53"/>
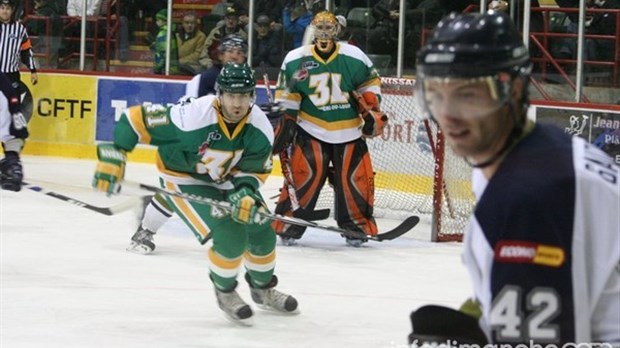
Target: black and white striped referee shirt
<point x="15" y="45"/>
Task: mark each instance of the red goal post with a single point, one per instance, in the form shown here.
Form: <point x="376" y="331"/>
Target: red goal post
<point x="415" y="174"/>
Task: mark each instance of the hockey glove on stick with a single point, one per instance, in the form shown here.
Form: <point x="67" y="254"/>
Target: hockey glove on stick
<point x="110" y="168"/>
<point x="12" y="174"/>
<point x="246" y="206"/>
<point x="284" y="133"/>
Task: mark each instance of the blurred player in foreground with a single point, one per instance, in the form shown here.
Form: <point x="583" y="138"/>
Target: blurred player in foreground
<point x="543" y="247"/>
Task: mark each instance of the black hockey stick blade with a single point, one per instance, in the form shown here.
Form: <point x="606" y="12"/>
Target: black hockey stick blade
<point x="397" y="231"/>
<point x="311" y="215"/>
<point x="111" y="210"/>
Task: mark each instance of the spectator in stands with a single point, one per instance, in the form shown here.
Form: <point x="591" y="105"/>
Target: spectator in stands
<point x="536" y="17"/>
<point x="75" y="7"/>
<point x="230" y="26"/>
<point x="273" y="10"/>
<point x="52" y="9"/>
<point x="602" y="24"/>
<point x="344" y="35"/>
<point x="123" y="37"/>
<point x="295" y="19"/>
<point x="598" y="24"/>
<point x="160" y="44"/>
<point x="190" y="41"/>
<point x="267" y="46"/>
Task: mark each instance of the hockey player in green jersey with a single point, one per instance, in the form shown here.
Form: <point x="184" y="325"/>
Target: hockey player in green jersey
<point x="217" y="147"/>
<point x="324" y="124"/>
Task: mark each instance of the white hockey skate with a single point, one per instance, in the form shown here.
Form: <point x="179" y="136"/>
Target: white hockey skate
<point x="233" y="306"/>
<point x="142" y="242"/>
<point x="268" y="297"/>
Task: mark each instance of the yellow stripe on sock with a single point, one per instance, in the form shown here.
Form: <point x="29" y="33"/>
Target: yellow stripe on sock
<point x="260" y="263"/>
<point x="223" y="267"/>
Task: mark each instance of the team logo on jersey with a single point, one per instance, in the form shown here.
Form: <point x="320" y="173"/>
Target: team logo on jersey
<point x="309" y="65"/>
<point x="212" y="136"/>
<point x="513" y="251"/>
<point x="300" y="75"/>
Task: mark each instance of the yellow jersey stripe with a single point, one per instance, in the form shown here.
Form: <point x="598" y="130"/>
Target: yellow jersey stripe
<point x="188" y="212"/>
<point x="137" y="122"/>
<point x="331" y="126"/>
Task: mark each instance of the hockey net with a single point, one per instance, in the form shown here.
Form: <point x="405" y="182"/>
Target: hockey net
<point x="415" y="174"/>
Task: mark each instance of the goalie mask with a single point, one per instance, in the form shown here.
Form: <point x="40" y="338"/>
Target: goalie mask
<point x="325" y="31"/>
<point x="235" y="86"/>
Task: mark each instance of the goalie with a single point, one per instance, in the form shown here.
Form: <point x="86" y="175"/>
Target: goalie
<point x="217" y="147"/>
<point x="330" y="93"/>
<point x="13" y="133"/>
<point x="543" y="245"/>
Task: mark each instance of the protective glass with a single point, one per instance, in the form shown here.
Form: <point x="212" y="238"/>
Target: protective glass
<point x="463" y="97"/>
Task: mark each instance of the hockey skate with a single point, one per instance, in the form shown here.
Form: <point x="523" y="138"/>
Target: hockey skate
<point x="233" y="306"/>
<point x="355" y="242"/>
<point x="288" y="241"/>
<point x="268" y="297"/>
<point x="142" y="242"/>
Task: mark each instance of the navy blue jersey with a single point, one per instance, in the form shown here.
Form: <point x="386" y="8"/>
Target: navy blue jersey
<point x="543" y="246"/>
<point x="204" y="83"/>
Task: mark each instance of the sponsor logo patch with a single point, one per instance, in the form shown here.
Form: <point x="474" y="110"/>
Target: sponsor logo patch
<point x="510" y="251"/>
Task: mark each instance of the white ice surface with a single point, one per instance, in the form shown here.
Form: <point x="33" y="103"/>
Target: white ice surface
<point x="67" y="281"/>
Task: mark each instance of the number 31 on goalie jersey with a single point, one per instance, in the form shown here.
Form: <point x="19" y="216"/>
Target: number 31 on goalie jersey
<point x="509" y="323"/>
<point x="324" y="94"/>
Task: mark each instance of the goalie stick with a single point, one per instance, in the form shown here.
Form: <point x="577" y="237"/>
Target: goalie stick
<point x="399" y="230"/>
<point x="285" y="165"/>
<point x="111" y="210"/>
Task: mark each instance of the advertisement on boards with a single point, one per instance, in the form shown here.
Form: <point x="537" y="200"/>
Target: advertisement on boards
<point x="116" y="95"/>
<point x="64" y="109"/>
<point x="600" y="128"/>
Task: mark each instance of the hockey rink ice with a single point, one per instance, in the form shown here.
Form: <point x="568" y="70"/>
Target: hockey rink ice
<point x="67" y="281"/>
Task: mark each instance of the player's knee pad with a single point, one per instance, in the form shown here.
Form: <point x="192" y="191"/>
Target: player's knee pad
<point x="436" y="325"/>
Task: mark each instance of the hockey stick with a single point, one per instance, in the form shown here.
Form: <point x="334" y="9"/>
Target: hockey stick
<point x="112" y="210"/>
<point x="285" y="165"/>
<point x="399" y="230"/>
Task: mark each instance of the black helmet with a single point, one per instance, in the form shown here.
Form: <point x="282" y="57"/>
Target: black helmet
<point x="8" y="2"/>
<point x="474" y="44"/>
<point x="233" y="41"/>
<point x="236" y="78"/>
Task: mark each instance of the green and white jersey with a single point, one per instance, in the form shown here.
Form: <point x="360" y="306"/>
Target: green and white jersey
<point x="319" y="91"/>
<point x="196" y="146"/>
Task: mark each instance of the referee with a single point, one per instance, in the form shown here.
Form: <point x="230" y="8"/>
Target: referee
<point x="14" y="45"/>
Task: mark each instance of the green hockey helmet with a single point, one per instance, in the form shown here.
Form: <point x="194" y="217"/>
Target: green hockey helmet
<point x="236" y="78"/>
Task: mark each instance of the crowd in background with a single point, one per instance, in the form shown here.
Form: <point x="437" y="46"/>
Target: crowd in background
<point x="280" y="25"/>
